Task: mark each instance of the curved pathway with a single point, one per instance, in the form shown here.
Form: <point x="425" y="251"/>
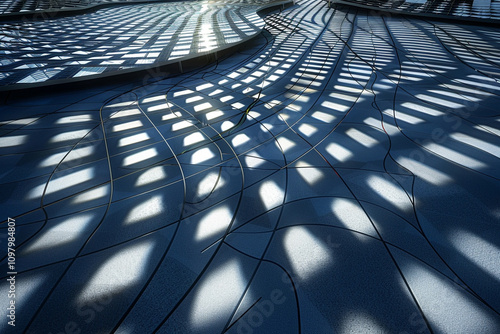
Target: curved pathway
<point x="338" y="174"/>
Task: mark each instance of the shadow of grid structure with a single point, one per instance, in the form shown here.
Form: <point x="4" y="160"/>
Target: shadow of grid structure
<point x="339" y="173"/>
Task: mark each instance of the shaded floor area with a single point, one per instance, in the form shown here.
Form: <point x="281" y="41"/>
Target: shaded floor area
<point x="485" y="10"/>
<point x="340" y="174"/>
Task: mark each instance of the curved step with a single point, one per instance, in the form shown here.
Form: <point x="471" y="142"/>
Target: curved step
<point x="123" y="40"/>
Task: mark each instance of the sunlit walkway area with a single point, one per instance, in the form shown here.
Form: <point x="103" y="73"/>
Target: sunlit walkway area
<point x="123" y="38"/>
<point x="338" y="172"/>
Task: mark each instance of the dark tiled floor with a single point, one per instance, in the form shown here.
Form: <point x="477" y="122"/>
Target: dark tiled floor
<point x="340" y="174"/>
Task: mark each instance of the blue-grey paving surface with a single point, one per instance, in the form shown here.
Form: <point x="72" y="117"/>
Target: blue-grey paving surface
<point x="114" y="39"/>
<point x="340" y="174"/>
